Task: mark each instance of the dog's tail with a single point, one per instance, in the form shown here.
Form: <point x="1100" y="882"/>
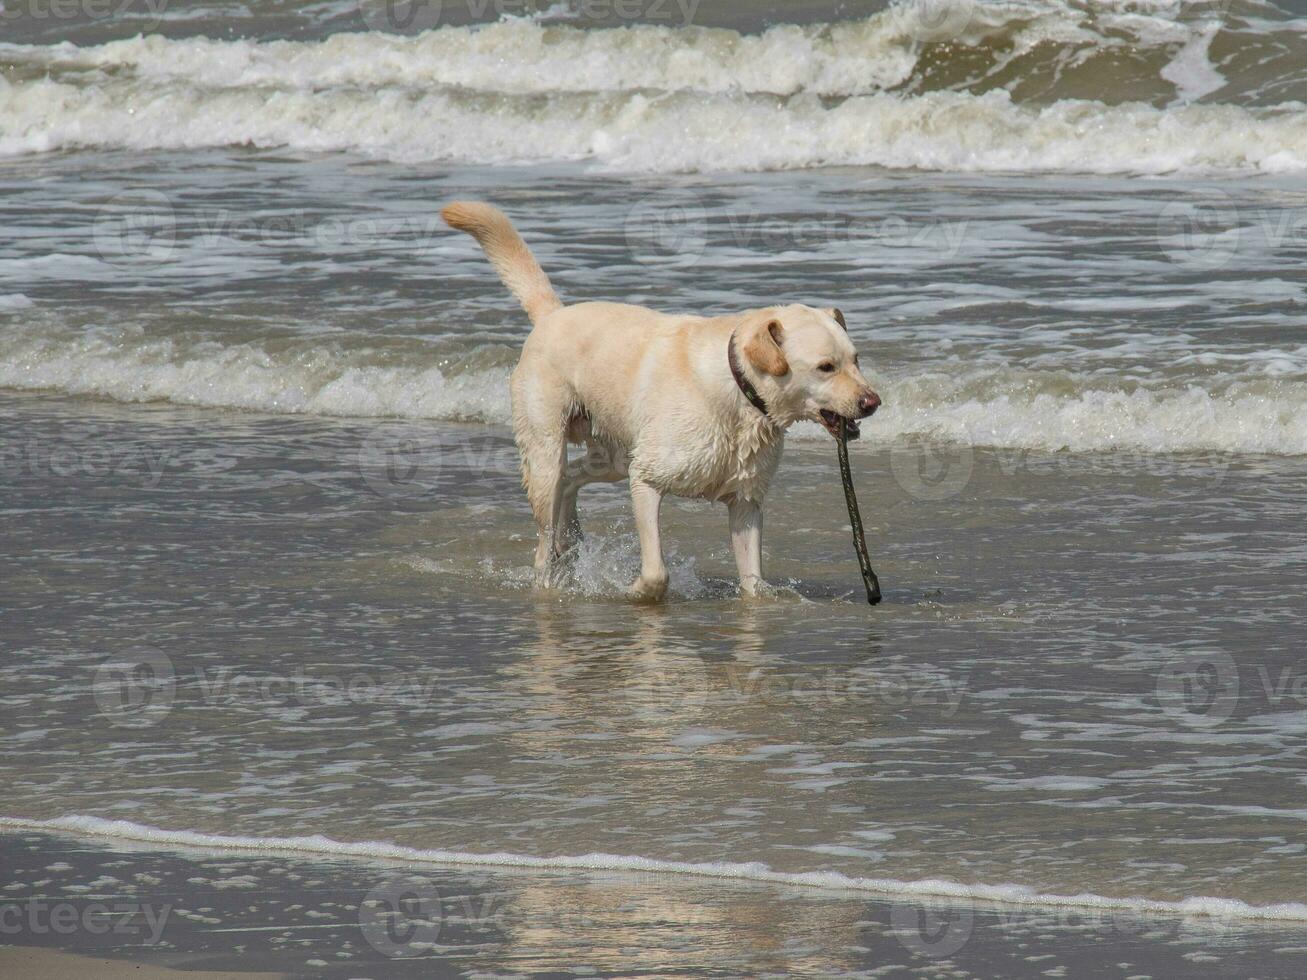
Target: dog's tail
<point x="507" y="253"/>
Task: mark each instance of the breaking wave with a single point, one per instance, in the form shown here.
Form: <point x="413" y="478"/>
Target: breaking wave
<point x="1030" y="85"/>
<point x="998" y="406"/>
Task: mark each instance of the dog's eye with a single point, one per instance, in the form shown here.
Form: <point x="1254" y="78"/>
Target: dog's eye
<point x="825" y="367"/>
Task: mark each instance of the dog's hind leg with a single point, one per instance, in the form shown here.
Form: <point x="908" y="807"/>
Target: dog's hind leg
<point x="596" y="466"/>
<point x="543" y="462"/>
<point x="542" y="406"/>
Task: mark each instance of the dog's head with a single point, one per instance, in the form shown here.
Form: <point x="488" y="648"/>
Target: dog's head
<point x="809" y="366"/>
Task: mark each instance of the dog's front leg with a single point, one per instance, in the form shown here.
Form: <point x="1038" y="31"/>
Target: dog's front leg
<point x="746" y="542"/>
<point x="646" y="502"/>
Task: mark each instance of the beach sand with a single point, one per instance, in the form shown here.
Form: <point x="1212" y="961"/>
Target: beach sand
<point x="32" y="963"/>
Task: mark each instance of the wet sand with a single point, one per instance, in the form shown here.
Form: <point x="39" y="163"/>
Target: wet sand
<point x="279" y="914"/>
<point x="34" y="963"/>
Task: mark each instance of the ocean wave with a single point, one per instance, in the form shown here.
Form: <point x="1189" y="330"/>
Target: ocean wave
<point x="1025" y="85"/>
<point x="1000" y="406"/>
<point x="311" y="378"/>
<point x="672" y="133"/>
<point x="1051" y="411"/>
<point x="998" y="894"/>
<point x="14" y="301"/>
<point x="1045" y="49"/>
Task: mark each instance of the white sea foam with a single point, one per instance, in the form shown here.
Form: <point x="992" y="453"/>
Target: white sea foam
<point x="677" y="132"/>
<point x="1005" y="894"/>
<point x="1053" y="411"/>
<point x="998" y="406"/>
<point x="1192" y="71"/>
<point x="604" y="567"/>
<point x="318" y="381"/>
<point x="531" y="55"/>
<point x="520" y="56"/>
<point x="660" y="99"/>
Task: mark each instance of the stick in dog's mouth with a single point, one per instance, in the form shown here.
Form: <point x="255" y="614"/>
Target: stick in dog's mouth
<point x="869" y="579"/>
<point x="832" y="421"/>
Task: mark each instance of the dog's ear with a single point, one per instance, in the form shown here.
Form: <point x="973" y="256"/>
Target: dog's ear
<point x="838" y="317"/>
<point x="762" y="347"/>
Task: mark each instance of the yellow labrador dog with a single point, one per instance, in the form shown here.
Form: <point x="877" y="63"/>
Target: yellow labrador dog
<point x="692" y="406"/>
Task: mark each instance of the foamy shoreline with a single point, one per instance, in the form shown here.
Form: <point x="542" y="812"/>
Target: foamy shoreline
<point x="929" y="888"/>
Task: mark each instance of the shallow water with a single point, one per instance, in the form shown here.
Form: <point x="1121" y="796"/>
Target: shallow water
<point x="209" y="909"/>
<point x="353" y="657"/>
<point x="1076" y="313"/>
<point x="266" y="570"/>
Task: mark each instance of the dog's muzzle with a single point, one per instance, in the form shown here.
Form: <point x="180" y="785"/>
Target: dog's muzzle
<point x="867" y="405"/>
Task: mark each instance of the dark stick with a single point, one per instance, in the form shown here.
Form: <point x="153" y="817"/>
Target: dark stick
<point x="855" y="519"/>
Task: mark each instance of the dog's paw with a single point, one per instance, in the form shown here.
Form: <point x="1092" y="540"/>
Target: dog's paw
<point x="649" y="588"/>
<point x="765" y="591"/>
<point x="559" y="571"/>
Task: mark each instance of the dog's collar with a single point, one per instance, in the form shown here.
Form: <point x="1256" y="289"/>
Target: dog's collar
<point x="746" y="387"/>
